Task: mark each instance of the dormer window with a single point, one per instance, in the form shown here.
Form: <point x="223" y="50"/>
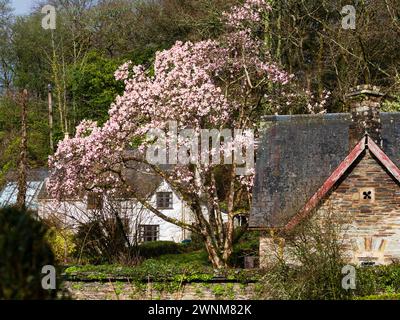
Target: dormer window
<point x="164" y="200"/>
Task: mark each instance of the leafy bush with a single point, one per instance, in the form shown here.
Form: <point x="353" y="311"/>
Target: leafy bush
<point x="157" y="248"/>
<point x="23" y="251"/>
<point x="311" y="268"/>
<point x="378" y="280"/>
<point x="103" y="241"/>
<point x="195" y="258"/>
<point x="389" y="277"/>
<point x="90" y="244"/>
<point x="387" y="296"/>
<point x="62" y="244"/>
<point x="247" y="245"/>
<point x="197" y="242"/>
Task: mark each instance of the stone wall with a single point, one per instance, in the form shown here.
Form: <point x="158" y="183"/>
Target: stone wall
<point x="366" y="205"/>
<point x="368" y="202"/>
<point x="156" y="291"/>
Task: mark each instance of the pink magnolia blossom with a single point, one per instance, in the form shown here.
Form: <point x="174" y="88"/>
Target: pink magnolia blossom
<point x="250" y="12"/>
<point x="207" y="84"/>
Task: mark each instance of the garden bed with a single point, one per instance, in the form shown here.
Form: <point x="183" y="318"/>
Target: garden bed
<point x="155" y="271"/>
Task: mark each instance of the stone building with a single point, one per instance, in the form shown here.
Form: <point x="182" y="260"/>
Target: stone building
<point x="345" y="163"/>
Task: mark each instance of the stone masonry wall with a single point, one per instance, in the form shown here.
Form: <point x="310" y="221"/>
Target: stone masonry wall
<point x="152" y="291"/>
<point x="366" y="203"/>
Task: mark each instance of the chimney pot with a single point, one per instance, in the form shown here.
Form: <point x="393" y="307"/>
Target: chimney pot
<point x="364" y="102"/>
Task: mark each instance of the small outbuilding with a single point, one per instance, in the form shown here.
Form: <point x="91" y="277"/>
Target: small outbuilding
<point x="347" y="163"/>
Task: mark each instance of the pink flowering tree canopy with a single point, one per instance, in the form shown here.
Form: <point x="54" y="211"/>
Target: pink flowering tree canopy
<point x="212" y="84"/>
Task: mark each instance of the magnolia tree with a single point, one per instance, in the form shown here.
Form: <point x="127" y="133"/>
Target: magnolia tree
<point x="198" y="90"/>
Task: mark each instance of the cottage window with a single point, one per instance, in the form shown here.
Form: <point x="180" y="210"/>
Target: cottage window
<point x="149" y="233"/>
<point x="241" y="220"/>
<point x="94" y="201"/>
<point x="123" y="206"/>
<point x="164" y="200"/>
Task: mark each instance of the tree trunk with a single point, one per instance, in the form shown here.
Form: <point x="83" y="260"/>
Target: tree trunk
<point x="50" y="102"/>
<point x="213" y="254"/>
<point x="22" y="167"/>
<point x="228" y="246"/>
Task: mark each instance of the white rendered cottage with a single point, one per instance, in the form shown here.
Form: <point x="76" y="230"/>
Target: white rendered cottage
<point x="143" y="224"/>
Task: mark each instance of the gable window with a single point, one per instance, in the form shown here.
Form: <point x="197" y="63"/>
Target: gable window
<point x="94" y="201"/>
<point x="164" y="200"/>
<point x="149" y="233"/>
<point x="367" y="194"/>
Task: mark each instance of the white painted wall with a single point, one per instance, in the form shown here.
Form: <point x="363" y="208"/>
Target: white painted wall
<point x="74" y="212"/>
<point x="180" y="211"/>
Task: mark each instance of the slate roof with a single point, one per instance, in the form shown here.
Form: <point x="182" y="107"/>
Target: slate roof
<point x="297" y="154"/>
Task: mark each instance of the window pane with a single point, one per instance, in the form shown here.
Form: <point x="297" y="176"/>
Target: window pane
<point x="149" y="233"/>
<point x="164" y="200"/>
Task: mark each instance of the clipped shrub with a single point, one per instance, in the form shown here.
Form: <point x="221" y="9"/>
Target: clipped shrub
<point x="157" y="248"/>
<point x="24" y="251"/>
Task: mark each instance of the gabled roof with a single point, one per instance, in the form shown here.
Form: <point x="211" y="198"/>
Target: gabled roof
<point x="298" y="154"/>
<point x="356" y="153"/>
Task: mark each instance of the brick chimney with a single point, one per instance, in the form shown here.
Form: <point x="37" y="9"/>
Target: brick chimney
<point x="365" y="102"/>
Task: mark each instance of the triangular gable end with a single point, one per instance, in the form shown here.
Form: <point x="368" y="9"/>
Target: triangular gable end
<point x="365" y="143"/>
